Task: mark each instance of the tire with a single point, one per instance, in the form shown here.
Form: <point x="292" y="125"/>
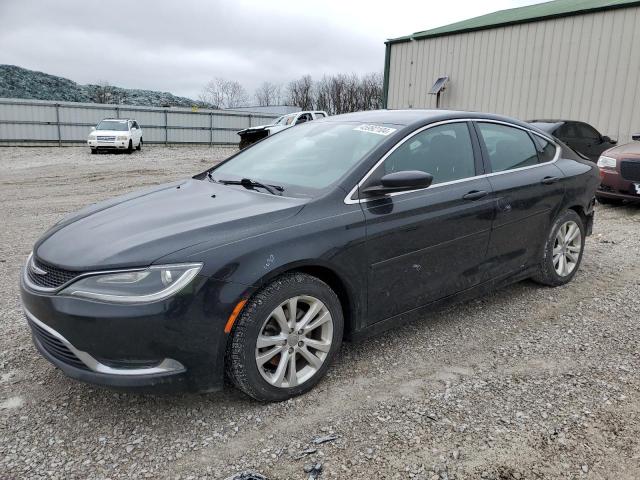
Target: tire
<point x="550" y="270"/>
<point x="130" y="147"/>
<point x="94" y="151"/>
<point x="139" y="147"/>
<point x="257" y="320"/>
<point x="608" y="201"/>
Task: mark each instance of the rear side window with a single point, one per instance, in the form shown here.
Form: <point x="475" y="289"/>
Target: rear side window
<point x="546" y="149"/>
<point x="508" y="147"/>
<point x="444" y="151"/>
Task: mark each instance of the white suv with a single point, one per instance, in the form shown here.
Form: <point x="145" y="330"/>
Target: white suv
<point x="115" y="134"/>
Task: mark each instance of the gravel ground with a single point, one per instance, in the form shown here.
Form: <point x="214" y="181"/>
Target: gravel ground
<point x="529" y="382"/>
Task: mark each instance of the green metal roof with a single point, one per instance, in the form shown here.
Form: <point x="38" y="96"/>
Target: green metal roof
<point x="530" y="13"/>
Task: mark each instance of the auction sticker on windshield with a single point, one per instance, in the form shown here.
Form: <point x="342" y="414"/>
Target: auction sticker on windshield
<point x="377" y="129"/>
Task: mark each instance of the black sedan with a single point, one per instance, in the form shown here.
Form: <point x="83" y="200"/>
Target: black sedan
<point x="259" y="267"/>
<point x="580" y="136"/>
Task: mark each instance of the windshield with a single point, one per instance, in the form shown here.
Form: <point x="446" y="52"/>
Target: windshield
<point x="119" y="125"/>
<point x="306" y="159"/>
<point x="285" y="120"/>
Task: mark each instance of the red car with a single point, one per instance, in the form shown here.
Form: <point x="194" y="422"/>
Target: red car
<point x="620" y="173"/>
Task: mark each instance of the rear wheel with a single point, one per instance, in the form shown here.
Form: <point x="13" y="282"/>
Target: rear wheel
<point x="562" y="251"/>
<point x="285" y="338"/>
<point x="139" y="147"/>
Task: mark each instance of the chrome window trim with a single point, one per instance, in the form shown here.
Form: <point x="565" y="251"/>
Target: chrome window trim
<point x="350" y="201"/>
<point x="167" y="365"/>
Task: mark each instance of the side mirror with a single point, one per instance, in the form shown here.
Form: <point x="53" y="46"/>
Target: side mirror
<point x="606" y="139"/>
<point x="93" y="129"/>
<point x="400" y="182"/>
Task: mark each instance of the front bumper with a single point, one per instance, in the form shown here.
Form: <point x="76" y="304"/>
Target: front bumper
<point x="175" y="344"/>
<point x="108" y="145"/>
<point x="613" y="186"/>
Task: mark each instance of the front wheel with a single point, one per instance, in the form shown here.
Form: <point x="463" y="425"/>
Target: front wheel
<point x="285" y="338"/>
<point x="562" y="251"/>
<point x="139" y="147"/>
<point x="130" y="147"/>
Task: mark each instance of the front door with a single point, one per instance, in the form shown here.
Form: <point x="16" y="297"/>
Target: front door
<point x="430" y="243"/>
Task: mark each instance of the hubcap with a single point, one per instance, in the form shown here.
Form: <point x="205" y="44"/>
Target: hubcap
<point x="566" y="248"/>
<point x="294" y="341"/>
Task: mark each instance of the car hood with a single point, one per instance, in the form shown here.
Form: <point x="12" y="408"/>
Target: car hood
<point x="254" y="129"/>
<point x="110" y="133"/>
<point x="628" y="150"/>
<point x="139" y="228"/>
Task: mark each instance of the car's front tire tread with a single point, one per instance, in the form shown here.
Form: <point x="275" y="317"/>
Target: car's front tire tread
<point x="240" y="359"/>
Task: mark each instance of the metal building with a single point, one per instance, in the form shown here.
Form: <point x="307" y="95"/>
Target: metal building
<point x="569" y="59"/>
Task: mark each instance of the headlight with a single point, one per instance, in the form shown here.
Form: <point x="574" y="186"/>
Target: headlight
<point x="135" y="286"/>
<point x="606" y="162"/>
<point x="123" y="137"/>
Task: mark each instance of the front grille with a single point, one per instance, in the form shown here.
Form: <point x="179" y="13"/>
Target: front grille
<point x="630" y="170"/>
<point x="106" y="139"/>
<point x="53" y="278"/>
<point x="55" y="347"/>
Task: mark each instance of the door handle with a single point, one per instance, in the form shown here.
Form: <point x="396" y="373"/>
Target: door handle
<point x="475" y="195"/>
<point x="550" y="180"/>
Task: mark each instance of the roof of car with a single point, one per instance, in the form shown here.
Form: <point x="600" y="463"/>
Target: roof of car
<point x="415" y="116"/>
<point x="119" y="119"/>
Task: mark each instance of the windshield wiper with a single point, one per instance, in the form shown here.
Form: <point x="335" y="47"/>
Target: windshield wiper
<point x="251" y="184"/>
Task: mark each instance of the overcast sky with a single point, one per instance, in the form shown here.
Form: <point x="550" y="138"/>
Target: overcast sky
<point x="177" y="46"/>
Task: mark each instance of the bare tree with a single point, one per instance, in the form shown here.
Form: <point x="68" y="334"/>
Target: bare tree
<point x="300" y="92"/>
<point x="268" y="94"/>
<point x="103" y="92"/>
<point x="334" y="94"/>
<point x="224" y="93"/>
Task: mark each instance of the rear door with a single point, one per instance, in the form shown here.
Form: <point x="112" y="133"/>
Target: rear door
<point x="528" y="188"/>
<point x="426" y="244"/>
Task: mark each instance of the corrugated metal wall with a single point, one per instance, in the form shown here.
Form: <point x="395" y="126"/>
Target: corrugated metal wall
<point x="584" y="67"/>
<point x="30" y="121"/>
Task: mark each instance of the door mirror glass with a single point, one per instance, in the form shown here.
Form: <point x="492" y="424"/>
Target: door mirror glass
<point x="400" y="182"/>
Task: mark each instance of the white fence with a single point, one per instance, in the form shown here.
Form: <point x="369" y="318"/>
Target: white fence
<point x="34" y="121"/>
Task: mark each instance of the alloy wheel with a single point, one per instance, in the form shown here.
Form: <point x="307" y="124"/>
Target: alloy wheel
<point x="566" y="248"/>
<point x="294" y="341"/>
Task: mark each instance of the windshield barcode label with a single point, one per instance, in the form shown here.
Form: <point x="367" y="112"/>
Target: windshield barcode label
<point x="377" y="129"/>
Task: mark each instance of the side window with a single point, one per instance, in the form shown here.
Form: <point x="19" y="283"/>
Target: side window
<point x="320" y="115"/>
<point x="546" y="149"/>
<point x="444" y="151"/>
<point x="508" y="147"/>
<point x="135" y="125"/>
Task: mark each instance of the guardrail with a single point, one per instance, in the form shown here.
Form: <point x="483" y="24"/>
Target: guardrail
<point x="34" y="122"/>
